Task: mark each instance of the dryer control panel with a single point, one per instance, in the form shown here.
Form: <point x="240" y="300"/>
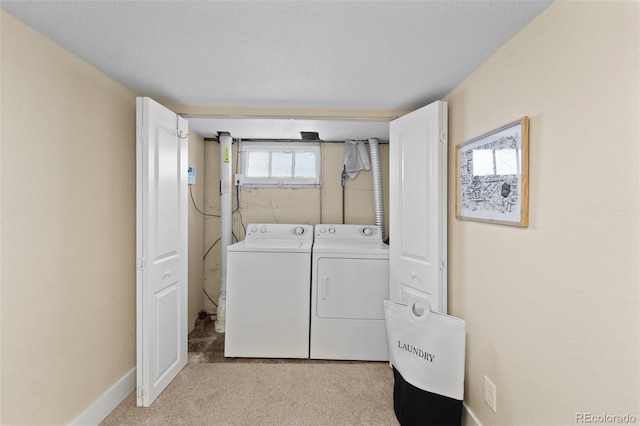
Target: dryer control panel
<point x="348" y="232"/>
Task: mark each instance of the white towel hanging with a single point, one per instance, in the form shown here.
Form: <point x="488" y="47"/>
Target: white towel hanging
<point x="356" y="157"/>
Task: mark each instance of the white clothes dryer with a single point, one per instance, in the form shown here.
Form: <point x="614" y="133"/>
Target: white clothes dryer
<point x="267" y="303"/>
<point x="350" y="281"/>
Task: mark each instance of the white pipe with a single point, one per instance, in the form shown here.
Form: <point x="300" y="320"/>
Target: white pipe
<point x="376" y="174"/>
<point x="226" y="209"/>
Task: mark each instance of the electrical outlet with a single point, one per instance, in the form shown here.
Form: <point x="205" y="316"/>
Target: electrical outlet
<point x="490" y="393"/>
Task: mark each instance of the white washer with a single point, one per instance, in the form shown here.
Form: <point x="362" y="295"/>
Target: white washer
<point x="350" y="281"/>
<point x="267" y="304"/>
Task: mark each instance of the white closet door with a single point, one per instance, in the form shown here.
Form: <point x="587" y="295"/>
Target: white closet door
<point x="418" y="205"/>
<point x="161" y="222"/>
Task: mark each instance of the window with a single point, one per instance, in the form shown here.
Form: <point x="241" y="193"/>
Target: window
<point x="280" y="164"/>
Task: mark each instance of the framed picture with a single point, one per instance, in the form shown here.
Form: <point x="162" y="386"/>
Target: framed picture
<point x="492" y="176"/>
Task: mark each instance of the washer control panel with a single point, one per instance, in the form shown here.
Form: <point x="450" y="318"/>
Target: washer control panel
<point x="278" y="230"/>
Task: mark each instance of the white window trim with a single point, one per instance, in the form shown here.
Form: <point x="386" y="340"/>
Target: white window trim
<point x="275" y="146"/>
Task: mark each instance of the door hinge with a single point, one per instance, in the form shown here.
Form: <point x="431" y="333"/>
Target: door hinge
<point x="442" y="264"/>
<point x="140" y="392"/>
<point x="443" y="136"/>
<point x="140" y="133"/>
<point x="140" y="263"/>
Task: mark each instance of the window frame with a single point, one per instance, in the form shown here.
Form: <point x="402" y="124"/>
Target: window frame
<point x="246" y="147"/>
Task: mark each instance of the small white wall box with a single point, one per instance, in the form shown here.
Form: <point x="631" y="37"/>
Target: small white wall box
<point x="192" y="176"/>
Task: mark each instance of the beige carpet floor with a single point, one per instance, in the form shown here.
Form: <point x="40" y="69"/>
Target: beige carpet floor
<point x="269" y="394"/>
<point x="213" y="390"/>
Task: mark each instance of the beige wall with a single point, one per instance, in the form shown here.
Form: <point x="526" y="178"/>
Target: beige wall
<point x="552" y="311"/>
<point x="68" y="230"/>
<point x="309" y="206"/>
<point x="196" y="230"/>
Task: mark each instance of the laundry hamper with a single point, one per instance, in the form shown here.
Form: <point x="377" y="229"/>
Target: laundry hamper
<point x="427" y="352"/>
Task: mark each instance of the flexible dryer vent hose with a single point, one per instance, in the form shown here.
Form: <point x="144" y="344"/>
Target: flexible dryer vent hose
<point x="376" y="173"/>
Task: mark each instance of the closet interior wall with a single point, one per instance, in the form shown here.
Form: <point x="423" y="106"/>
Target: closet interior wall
<point x="285" y="205"/>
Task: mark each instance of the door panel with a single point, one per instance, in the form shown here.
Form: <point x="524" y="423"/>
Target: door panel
<point x="414" y="195"/>
<point x="167" y="209"/>
<point x="168" y="330"/>
<point x="161" y="312"/>
<point x="352" y="288"/>
<point x="418" y="205"/>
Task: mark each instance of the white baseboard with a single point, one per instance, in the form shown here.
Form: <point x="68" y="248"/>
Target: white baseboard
<point x="468" y="418"/>
<point x="104" y="405"/>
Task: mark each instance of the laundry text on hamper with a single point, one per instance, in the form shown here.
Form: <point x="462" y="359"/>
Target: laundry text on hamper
<point x="416" y="351"/>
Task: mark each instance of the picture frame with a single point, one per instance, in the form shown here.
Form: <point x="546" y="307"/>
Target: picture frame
<point x="492" y="176"/>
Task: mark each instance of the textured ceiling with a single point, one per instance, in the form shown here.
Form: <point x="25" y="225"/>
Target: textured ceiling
<point x="363" y="55"/>
<point x="298" y="54"/>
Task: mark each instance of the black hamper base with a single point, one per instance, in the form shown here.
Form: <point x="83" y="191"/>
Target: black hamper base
<point x="416" y="407"/>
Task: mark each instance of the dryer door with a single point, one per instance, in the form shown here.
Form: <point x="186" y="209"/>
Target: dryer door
<point x="351" y="288"/>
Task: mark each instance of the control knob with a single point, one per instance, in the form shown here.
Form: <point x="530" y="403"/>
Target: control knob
<point x="298" y="230"/>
